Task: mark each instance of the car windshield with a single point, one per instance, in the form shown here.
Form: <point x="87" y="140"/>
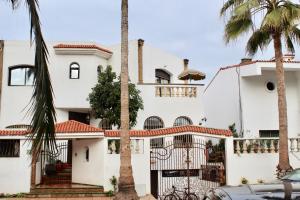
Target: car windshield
<point x="293" y="176"/>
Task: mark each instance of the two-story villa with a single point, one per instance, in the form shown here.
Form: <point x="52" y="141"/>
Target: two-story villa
<point x="88" y="150"/>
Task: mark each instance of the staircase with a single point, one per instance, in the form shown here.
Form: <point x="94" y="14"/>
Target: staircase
<point x="60" y="185"/>
<point x="64" y="176"/>
<point x="66" y="191"/>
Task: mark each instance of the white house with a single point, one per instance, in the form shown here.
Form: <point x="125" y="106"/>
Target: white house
<point x="87" y="152"/>
<point x="73" y="68"/>
<point x="245" y="94"/>
<point x="249" y="98"/>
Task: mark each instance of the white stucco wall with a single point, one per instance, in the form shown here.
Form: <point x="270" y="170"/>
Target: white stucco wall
<point x="253" y="166"/>
<point x="169" y="108"/>
<point x="91" y="171"/>
<point x="15" y="172"/>
<point x="140" y="166"/>
<point x="221" y="100"/>
<point x="259" y="109"/>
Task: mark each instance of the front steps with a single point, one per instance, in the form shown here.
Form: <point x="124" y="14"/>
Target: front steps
<point x="73" y="190"/>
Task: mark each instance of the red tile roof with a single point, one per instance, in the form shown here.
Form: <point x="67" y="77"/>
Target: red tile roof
<point x="70" y="126"/>
<point x="73" y="126"/>
<point x="244" y="64"/>
<point x="82" y="46"/>
<point x="255" y="61"/>
<point x="171" y="130"/>
<point x="13" y="132"/>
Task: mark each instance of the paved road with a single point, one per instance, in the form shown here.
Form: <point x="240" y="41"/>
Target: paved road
<point x="83" y="198"/>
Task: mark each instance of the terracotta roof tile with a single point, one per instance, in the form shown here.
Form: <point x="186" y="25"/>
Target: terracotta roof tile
<point x="13" y="132"/>
<point x="81" y="46"/>
<point x="70" y="126"/>
<point x="171" y="130"/>
<point x="73" y="126"/>
<point x="255" y="61"/>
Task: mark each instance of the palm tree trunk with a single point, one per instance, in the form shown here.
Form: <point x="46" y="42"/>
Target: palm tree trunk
<point x="126" y="181"/>
<point x="33" y="171"/>
<point x="284" y="163"/>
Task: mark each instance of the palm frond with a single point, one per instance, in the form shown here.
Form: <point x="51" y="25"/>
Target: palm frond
<point x="42" y="122"/>
<point x="246" y="7"/>
<point x="289" y="43"/>
<point x="274" y="19"/>
<point x="259" y="39"/>
<point x="230" y="4"/>
<point x="14" y="3"/>
<point x="294" y="34"/>
<point x="236" y="26"/>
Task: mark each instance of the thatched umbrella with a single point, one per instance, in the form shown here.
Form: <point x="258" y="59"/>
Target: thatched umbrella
<point x="191" y="74"/>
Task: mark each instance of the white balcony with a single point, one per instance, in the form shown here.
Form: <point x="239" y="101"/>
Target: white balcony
<point x="176" y="91"/>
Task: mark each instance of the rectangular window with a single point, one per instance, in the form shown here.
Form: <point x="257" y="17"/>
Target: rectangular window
<point x="268" y="133"/>
<point x="9" y="148"/>
<point x="74" y="74"/>
<point x="21" y="76"/>
<point x="157" y="143"/>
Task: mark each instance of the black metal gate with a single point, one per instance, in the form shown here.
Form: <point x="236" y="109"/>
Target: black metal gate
<point x="186" y="165"/>
<point x="56" y="167"/>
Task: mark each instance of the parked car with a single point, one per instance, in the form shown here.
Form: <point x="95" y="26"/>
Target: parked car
<point x="288" y="188"/>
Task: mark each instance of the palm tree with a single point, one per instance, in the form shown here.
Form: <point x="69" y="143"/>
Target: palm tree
<point x="126" y="182"/>
<point x="278" y="23"/>
<point x="43" y="118"/>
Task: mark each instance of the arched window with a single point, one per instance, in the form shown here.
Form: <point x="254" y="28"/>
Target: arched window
<point x="153" y="122"/>
<point x="162" y="76"/>
<point x="21" y="75"/>
<point x="105" y="125"/>
<point x="181" y="121"/>
<point x="74" y="71"/>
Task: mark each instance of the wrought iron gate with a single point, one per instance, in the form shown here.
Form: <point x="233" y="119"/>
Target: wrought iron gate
<point x="191" y="164"/>
<point x="56" y="166"/>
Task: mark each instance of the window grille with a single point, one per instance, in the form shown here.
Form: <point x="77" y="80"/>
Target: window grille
<point x="181" y="121"/>
<point x="153" y="122"/>
<point x="9" y="148"/>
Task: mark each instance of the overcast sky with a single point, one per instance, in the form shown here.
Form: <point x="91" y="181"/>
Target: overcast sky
<point x="187" y="28"/>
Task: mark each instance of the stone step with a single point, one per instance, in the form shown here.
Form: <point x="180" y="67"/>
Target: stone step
<point x="74" y="190"/>
<point x="66" y="195"/>
<point x="56" y="181"/>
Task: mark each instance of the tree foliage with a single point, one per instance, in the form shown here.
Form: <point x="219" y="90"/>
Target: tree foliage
<point x="42" y="106"/>
<point x="264" y="19"/>
<point x="105" y="98"/>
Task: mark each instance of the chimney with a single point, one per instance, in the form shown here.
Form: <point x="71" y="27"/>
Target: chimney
<point x="140" y="60"/>
<point x="185" y="67"/>
<point x="246" y="60"/>
<point x="1" y="64"/>
<point x="186" y="64"/>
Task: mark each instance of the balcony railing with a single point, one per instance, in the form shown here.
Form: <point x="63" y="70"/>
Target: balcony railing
<point x="175" y="91"/>
<point x="263" y="145"/>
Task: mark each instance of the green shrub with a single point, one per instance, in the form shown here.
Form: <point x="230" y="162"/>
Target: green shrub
<point x="244" y="180"/>
<point x="110" y="193"/>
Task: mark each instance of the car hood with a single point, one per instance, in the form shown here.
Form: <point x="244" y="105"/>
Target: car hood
<point x="263" y="191"/>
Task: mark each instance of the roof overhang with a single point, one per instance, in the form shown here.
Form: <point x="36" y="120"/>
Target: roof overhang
<point x="78" y="51"/>
<point x="91" y="135"/>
